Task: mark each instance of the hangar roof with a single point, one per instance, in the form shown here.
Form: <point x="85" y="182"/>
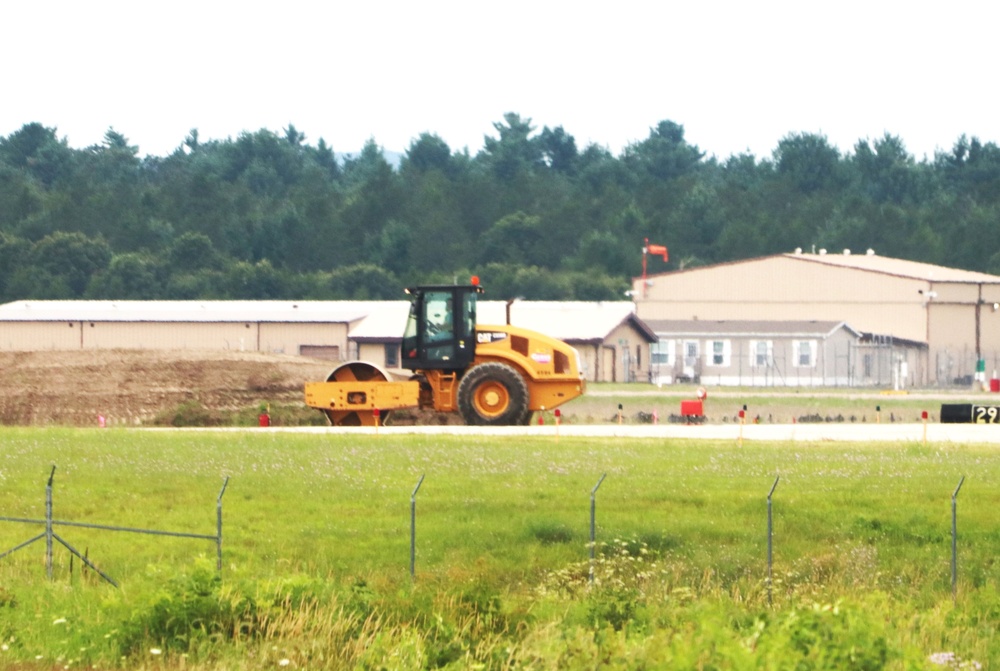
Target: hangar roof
<point x="566" y="320"/>
<point x="377" y="320"/>
<point x="750" y="328"/>
<point x="867" y="262"/>
<point x="384" y="323"/>
<point x="872" y="262"/>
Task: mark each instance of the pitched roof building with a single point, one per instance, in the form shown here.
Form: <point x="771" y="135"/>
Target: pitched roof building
<point x="613" y="343"/>
<point x="954" y="313"/>
<point x="311" y="328"/>
<point x="780" y="353"/>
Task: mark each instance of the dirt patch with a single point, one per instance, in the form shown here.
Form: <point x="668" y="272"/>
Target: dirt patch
<point x="132" y="387"/>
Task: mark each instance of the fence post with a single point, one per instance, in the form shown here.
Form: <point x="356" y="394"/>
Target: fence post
<point x="51" y="536"/>
<point x="48" y="524"/>
<point x="413" y="527"/>
<point x="954" y="541"/>
<point x="770" y="544"/>
<point x="218" y="517"/>
<point x="593" y="509"/>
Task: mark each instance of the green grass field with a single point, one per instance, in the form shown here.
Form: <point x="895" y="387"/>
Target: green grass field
<point x="316" y="553"/>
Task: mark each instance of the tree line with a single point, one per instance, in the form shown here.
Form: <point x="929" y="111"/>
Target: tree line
<point x="268" y="215"/>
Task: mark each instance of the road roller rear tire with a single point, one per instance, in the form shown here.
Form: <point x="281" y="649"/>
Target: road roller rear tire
<point x="356" y="371"/>
<point x="492" y="394"/>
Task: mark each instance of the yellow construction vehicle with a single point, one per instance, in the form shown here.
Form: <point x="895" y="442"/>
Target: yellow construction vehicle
<point x="491" y="375"/>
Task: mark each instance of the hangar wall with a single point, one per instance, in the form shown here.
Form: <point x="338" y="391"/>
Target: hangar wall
<point x="950" y="310"/>
<point x="780" y="288"/>
<point x="25" y="336"/>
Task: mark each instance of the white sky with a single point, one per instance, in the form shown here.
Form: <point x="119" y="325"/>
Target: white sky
<point x="738" y="76"/>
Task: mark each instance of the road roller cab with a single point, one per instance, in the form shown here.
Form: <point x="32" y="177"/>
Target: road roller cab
<point x="441" y="328"/>
<point x="491" y="375"/>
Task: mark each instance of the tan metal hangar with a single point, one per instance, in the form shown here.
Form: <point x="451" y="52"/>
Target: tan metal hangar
<point x="954" y="313"/>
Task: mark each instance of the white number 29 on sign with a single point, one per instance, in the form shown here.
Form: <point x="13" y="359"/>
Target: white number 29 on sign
<point x="985" y="414"/>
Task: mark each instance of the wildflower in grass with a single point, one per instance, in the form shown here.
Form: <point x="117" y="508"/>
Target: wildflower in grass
<point x="942" y="658"/>
<point x="284" y="662"/>
<point x="950" y="660"/>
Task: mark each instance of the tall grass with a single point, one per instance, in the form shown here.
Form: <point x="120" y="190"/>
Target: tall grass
<point x="317" y="537"/>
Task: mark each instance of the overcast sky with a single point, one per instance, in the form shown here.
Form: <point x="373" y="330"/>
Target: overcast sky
<point x="738" y="76"/>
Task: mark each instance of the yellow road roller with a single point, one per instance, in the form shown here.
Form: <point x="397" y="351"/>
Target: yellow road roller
<point x="490" y="375"/>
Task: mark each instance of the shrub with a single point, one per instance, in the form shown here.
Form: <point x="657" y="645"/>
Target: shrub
<point x="551" y="533"/>
<point x="190" y="609"/>
<point x="189" y="413"/>
<point x="823" y="636"/>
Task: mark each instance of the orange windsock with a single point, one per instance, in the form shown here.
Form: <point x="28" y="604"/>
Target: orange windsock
<point x="658" y="250"/>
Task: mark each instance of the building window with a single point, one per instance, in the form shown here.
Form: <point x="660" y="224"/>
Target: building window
<point x="391" y="355"/>
<point x="761" y="353"/>
<point x="805" y="353"/>
<point x="662" y="353"/>
<point x="719" y="350"/>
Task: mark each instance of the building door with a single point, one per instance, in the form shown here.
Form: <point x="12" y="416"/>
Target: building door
<point x="690" y="359"/>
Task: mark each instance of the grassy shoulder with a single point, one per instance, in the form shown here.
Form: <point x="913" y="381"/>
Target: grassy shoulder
<point x="640" y="403"/>
<point x="317" y="538"/>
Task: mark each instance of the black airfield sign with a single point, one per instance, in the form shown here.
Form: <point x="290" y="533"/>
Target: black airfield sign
<point x="967" y="413"/>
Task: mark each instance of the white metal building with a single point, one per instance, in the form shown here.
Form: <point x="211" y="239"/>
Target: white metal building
<point x="612" y="342"/>
<point x="311" y="328"/>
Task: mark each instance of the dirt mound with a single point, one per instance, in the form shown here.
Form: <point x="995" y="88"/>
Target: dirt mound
<point x="134" y="386"/>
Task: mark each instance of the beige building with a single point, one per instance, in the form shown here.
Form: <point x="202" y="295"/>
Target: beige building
<point x="379" y="336"/>
<point x="780" y="354"/>
<point x="310" y="328"/>
<point x="954" y="313"/>
<point x="612" y="342"/>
